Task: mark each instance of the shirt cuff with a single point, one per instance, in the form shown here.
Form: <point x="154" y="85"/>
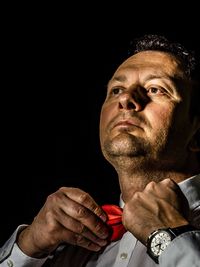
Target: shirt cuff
<point x="182" y="251"/>
<point x="18" y="259"/>
<point x="12" y="256"/>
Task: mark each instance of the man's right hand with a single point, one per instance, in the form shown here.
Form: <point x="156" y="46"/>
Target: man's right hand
<point x="69" y="216"/>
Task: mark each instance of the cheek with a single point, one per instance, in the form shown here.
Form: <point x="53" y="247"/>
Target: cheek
<point x="160" y="117"/>
<point x="107" y="114"/>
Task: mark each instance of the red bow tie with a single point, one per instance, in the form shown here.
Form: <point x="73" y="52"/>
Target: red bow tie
<point x="114" y="221"/>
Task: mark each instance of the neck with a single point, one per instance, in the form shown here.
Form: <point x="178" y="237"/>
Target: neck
<point x="133" y="179"/>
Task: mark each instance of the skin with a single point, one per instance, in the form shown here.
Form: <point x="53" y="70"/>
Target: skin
<point x="69" y="215"/>
<point x="145" y="133"/>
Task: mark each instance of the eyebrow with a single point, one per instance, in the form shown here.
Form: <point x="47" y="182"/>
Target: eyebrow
<point x="153" y="76"/>
<point x="119" y="78"/>
<point x="123" y="78"/>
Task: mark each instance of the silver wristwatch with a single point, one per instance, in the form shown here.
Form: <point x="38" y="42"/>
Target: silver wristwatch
<point x="159" y="239"/>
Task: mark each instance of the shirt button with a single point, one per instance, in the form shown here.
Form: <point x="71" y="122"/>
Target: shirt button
<point x="123" y="256"/>
<point x="10" y="263"/>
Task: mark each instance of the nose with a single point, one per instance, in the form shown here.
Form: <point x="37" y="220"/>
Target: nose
<point x="131" y="101"/>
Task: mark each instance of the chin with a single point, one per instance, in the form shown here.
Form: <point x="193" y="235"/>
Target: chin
<point x="127" y="145"/>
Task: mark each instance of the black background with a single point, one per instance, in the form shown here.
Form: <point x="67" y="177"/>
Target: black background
<point x="57" y="63"/>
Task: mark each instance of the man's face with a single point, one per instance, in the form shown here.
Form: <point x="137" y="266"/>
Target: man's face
<point x="146" y="111"/>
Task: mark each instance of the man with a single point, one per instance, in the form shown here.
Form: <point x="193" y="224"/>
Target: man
<point x="149" y="132"/>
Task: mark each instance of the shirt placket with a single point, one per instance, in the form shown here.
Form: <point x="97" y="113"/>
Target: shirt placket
<point x="126" y="247"/>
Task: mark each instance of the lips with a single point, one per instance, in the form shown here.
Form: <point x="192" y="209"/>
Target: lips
<point x="127" y="123"/>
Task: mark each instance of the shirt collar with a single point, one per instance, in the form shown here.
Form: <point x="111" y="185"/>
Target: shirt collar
<point x="190" y="188"/>
<point x="121" y="202"/>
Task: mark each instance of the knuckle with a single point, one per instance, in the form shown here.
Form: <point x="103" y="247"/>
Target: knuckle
<point x="83" y="197"/>
<point x="81" y="212"/>
<point x="96" y="210"/>
<point x="63" y="189"/>
<point x="50" y="198"/>
<point x="80" y="240"/>
<point x="67" y="190"/>
<point x="53" y="198"/>
<point x="151" y="185"/>
<point x="169" y="183"/>
<point x="98" y="227"/>
<point x="137" y="195"/>
<point x="80" y="228"/>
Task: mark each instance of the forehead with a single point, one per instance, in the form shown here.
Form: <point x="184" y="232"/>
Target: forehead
<point x="156" y="61"/>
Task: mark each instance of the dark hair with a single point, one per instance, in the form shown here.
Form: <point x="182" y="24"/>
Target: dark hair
<point x="161" y="43"/>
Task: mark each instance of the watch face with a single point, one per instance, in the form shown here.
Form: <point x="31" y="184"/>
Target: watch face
<point x="159" y="242"/>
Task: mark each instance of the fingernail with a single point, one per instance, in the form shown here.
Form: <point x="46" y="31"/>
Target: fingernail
<point x="102" y="242"/>
<point x="103" y="217"/>
<point x="104" y="234"/>
<point x="95" y="247"/>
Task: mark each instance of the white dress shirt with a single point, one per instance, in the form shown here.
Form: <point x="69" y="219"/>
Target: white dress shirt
<point x="183" y="251"/>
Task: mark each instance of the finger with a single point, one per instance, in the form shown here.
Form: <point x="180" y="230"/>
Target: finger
<point x="181" y="201"/>
<point x="169" y="191"/>
<point x="85" y="217"/>
<point x="75" y="226"/>
<point x="85" y="200"/>
<point x="159" y="191"/>
<point x="79" y="240"/>
<point x="163" y="189"/>
<point x="171" y="184"/>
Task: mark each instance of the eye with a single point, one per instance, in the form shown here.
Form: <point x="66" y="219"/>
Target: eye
<point x="155" y="91"/>
<point x="115" y="91"/>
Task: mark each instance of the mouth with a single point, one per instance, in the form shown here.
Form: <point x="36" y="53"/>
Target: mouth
<point x="126" y="124"/>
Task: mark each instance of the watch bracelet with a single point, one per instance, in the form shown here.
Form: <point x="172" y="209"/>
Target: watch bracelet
<point x="181" y="229"/>
<point x="174" y="232"/>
